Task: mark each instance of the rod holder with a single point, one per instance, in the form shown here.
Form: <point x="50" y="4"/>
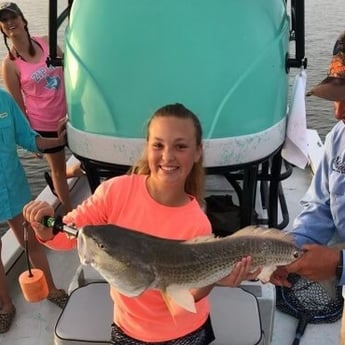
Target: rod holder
<point x="297" y="34"/>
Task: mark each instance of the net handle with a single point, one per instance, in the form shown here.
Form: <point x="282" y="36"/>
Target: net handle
<point x="302" y="324"/>
<point x="342" y="329"/>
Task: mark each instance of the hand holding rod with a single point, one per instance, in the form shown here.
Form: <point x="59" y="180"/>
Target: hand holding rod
<point x="57" y="225"/>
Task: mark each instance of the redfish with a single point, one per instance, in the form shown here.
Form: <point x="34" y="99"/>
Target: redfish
<point x="134" y="262"/>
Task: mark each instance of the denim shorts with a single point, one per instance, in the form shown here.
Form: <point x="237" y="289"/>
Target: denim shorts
<point x="46" y="134"/>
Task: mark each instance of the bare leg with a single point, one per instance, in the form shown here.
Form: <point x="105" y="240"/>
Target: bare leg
<point x="37" y="254"/>
<point x="5" y="299"/>
<point x="57" y="164"/>
<point x="74" y="171"/>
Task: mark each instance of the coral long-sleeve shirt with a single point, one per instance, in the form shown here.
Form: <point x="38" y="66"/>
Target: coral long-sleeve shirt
<point x="125" y="201"/>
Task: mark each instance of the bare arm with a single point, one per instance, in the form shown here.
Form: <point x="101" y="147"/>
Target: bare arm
<point x="34" y="212"/>
<point x="10" y="76"/>
<point x="318" y="263"/>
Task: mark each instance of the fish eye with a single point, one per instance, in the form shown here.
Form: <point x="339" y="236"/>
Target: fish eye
<point x="295" y="254"/>
<point x="100" y="245"/>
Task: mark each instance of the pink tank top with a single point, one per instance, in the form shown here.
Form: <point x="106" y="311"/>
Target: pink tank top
<point x="43" y="91"/>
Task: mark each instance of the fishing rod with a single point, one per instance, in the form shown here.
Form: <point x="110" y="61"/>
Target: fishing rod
<point x="57" y="225"/>
<point x="33" y="282"/>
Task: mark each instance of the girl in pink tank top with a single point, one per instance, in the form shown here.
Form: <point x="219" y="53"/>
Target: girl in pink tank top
<point x="39" y="91"/>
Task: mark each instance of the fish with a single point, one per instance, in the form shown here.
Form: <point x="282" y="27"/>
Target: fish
<point x="134" y="262"/>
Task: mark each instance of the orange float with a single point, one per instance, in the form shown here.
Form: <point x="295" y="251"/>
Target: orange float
<point x="33" y="285"/>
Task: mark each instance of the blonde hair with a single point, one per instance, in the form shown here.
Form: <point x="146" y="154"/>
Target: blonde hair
<point x="196" y="179"/>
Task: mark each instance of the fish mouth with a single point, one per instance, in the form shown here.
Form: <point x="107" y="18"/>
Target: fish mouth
<point x="84" y="256"/>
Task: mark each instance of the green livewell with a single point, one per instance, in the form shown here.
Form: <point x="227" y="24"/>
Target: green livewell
<point x="223" y="59"/>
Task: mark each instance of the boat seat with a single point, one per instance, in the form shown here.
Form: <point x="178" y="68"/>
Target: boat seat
<point x="87" y="317"/>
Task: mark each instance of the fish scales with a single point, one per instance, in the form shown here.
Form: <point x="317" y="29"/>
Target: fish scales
<point x="201" y="264"/>
<point x="133" y="261"/>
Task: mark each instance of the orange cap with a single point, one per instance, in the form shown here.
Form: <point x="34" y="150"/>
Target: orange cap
<point x="332" y="87"/>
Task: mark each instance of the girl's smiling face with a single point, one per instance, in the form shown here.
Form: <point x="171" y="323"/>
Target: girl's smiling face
<point x="10" y="22"/>
<point x="172" y="150"/>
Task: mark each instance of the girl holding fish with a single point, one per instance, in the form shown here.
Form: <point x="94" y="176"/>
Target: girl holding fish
<point x="161" y="196"/>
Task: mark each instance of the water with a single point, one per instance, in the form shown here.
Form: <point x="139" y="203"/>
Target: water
<point x="324" y="21"/>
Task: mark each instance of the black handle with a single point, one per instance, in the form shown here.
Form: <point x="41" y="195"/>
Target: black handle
<point x="57" y="225"/>
<point x="302" y="324"/>
<point x="54" y="23"/>
<point x="298" y="35"/>
<point x="296" y="340"/>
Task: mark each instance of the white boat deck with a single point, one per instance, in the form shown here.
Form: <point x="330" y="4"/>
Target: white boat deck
<point x="34" y="323"/>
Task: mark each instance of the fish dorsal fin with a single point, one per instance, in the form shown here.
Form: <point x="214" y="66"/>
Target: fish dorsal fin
<point x="199" y="239"/>
<point x="249" y="231"/>
<point x="270" y="233"/>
